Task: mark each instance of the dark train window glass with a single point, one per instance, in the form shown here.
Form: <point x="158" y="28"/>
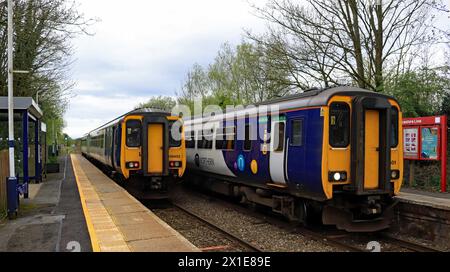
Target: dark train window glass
<point x="220" y="139"/>
<point x="297" y="132"/>
<point x="208" y="139"/>
<point x="190" y="139"/>
<point x="279" y="137"/>
<point x="200" y="139"/>
<point x="175" y="134"/>
<point x="339" y="124"/>
<point x="133" y="133"/>
<point x="230" y="137"/>
<point x="394" y="127"/>
<point x="247" y="141"/>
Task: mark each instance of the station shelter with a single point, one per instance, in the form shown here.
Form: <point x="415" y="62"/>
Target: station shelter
<point x="29" y="137"/>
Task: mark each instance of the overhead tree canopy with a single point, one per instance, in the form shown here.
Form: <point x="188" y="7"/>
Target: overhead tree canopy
<point x="161" y="102"/>
<point x="245" y="74"/>
<point x="43" y="30"/>
<point x="356" y="42"/>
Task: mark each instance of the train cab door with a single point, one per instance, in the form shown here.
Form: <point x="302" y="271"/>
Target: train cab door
<point x="277" y="150"/>
<point x="155" y="148"/>
<point x="371" y="149"/>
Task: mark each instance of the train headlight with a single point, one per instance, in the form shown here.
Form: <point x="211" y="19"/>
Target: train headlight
<point x="132" y="164"/>
<point x="337" y="176"/>
<point x="395" y="174"/>
<point x="175" y="164"/>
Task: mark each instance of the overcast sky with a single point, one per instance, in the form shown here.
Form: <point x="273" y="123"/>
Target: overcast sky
<point x="144" y="48"/>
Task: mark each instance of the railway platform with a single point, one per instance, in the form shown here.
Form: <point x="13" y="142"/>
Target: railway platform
<point x="116" y="221"/>
<point x="425" y="215"/>
<point x="424" y="198"/>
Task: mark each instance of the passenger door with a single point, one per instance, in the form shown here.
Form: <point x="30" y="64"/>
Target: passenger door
<point x="295" y="148"/>
<point x="277" y="150"/>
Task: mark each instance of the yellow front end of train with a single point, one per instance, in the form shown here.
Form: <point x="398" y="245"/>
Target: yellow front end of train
<point x="152" y="148"/>
<point x="362" y="162"/>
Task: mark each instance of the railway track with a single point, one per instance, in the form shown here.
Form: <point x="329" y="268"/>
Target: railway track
<point x="336" y="239"/>
<point x="416" y="247"/>
<point x="230" y="236"/>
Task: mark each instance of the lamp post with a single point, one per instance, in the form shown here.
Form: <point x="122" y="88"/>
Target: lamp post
<point x="12" y="179"/>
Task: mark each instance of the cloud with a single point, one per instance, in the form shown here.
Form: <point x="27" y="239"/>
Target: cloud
<point x="144" y="48"/>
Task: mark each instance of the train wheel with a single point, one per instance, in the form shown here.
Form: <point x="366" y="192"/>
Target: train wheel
<point x="308" y="215"/>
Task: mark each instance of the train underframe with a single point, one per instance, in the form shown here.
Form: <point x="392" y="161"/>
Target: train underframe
<point x="347" y="212"/>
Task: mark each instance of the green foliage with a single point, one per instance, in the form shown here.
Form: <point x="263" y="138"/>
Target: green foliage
<point x="165" y="103"/>
<point x="43" y="30"/>
<point x="245" y="74"/>
<point x="420" y="92"/>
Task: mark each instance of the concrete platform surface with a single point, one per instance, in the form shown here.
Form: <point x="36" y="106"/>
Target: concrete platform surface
<point x="51" y="219"/>
<point x="117" y="221"/>
<point x="435" y="200"/>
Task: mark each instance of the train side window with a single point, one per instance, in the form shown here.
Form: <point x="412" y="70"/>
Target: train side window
<point x="297" y="132"/>
<point x="225" y="138"/>
<point x="394" y="127"/>
<point x="339" y="124"/>
<point x="190" y="139"/>
<point x="208" y="139"/>
<point x="220" y="141"/>
<point x="175" y="136"/>
<point x="230" y="136"/>
<point x="279" y="137"/>
<point x="133" y="133"/>
<point x="247" y="141"/>
<point x="200" y="139"/>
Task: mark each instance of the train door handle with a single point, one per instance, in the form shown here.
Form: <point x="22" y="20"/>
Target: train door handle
<point x="377" y="149"/>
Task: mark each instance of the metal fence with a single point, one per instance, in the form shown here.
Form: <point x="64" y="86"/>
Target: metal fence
<point x="4" y="173"/>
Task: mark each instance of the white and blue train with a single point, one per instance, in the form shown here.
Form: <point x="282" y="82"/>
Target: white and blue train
<point x="335" y="151"/>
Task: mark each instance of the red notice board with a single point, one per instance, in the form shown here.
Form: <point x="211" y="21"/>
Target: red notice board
<point x="425" y="139"/>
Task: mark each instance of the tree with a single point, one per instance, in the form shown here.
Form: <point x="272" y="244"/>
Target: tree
<point x="245" y="74"/>
<point x="165" y="103"/>
<point x="365" y="41"/>
<point x="421" y="93"/>
<point x="43" y="32"/>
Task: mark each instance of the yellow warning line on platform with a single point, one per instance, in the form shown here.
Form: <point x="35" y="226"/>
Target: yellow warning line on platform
<point x="116" y="220"/>
<point x="104" y="234"/>
<point x="90" y="226"/>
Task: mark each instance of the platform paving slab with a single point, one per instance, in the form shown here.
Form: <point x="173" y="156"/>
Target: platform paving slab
<point x="424" y="198"/>
<point x="119" y="222"/>
<point x="50" y="219"/>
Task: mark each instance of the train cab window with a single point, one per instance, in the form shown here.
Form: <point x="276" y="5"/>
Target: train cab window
<point x="394" y="127"/>
<point x="247" y="140"/>
<point x="133" y="133"/>
<point x="339" y="124"/>
<point x="190" y="139"/>
<point x="175" y="134"/>
<point x="297" y="132"/>
<point x="278" y="142"/>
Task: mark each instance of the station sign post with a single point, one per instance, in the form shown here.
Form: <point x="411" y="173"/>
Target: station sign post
<point x="425" y="139"/>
